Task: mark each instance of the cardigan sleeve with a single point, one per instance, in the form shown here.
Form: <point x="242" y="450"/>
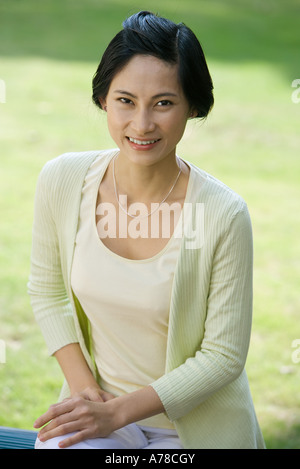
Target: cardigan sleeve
<point x="223" y="351"/>
<point x="49" y="300"/>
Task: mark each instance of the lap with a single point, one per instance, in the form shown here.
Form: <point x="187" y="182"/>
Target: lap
<point x="129" y="437"/>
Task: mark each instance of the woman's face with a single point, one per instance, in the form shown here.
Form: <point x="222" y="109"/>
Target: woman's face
<point x="146" y="110"/>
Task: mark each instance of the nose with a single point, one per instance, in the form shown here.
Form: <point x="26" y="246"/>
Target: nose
<point x="142" y="122"/>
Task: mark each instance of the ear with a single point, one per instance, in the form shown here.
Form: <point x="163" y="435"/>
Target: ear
<point x="193" y="114"/>
<point x="102" y="102"/>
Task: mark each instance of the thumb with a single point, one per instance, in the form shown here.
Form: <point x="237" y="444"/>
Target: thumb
<point x="91" y="395"/>
<point x="107" y="396"/>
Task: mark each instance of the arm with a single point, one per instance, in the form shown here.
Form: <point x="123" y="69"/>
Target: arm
<point x="221" y="355"/>
<point x="91" y="419"/>
<point x="54" y="314"/>
<point x="219" y="360"/>
<point x="80" y="379"/>
<point x="86" y="412"/>
<point x="48" y="296"/>
<point x="75" y="368"/>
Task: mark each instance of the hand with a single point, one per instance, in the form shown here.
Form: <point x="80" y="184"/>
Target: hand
<point x="88" y="418"/>
<point x="94" y="393"/>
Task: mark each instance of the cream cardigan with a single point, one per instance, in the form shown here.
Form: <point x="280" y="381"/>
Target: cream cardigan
<point x="205" y="389"/>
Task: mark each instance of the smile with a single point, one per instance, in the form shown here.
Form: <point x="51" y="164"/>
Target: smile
<point x="142" y="142"/>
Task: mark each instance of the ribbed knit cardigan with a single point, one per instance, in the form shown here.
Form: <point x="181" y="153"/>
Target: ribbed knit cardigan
<point x="205" y="389"/>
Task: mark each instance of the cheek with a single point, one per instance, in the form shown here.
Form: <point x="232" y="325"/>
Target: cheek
<point x="176" y="127"/>
<point x="114" y="123"/>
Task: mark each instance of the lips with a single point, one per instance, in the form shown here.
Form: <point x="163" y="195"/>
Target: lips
<point x="142" y="142"/>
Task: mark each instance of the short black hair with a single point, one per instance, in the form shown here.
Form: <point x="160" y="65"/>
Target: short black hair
<point x="146" y="33"/>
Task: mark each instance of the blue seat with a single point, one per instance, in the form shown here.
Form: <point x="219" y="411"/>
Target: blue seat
<point x="14" y="438"/>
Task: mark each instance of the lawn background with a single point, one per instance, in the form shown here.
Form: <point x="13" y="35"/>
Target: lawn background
<point x="49" y="51"/>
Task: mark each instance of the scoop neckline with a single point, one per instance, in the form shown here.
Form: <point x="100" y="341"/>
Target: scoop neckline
<point x="93" y="217"/>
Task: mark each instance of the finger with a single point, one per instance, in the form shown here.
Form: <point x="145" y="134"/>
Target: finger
<point x="55" y="425"/>
<point x="73" y="439"/>
<point x="107" y="396"/>
<point x="61" y="430"/>
<point x="64" y="422"/>
<point x="92" y="395"/>
<point x="54" y="411"/>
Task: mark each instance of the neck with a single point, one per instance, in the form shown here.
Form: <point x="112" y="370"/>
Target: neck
<point x="145" y="183"/>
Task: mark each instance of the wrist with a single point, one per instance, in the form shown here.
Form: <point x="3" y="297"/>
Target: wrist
<point x="118" y="414"/>
<point x="135" y="406"/>
<point x="76" y="389"/>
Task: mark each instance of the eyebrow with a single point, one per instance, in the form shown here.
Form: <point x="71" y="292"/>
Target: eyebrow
<point x="160" y="95"/>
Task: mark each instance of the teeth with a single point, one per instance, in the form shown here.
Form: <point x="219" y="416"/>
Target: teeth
<point x="140" y="142"/>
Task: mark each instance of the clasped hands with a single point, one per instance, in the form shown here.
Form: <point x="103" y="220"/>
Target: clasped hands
<point x="88" y="413"/>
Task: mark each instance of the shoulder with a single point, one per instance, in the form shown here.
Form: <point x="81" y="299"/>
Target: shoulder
<point x="219" y="199"/>
<point x="72" y="162"/>
<point x="223" y="210"/>
<point x="62" y="178"/>
<point x="70" y="168"/>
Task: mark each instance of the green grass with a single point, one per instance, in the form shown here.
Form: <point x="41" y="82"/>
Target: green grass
<point x="48" y="54"/>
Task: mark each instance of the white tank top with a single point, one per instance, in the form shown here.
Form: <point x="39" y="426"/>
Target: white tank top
<point x="126" y="301"/>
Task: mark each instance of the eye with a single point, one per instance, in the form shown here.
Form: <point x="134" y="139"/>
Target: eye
<point x="125" y="101"/>
<point x="164" y="103"/>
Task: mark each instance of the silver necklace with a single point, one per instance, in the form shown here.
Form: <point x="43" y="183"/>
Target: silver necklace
<point x="153" y="211"/>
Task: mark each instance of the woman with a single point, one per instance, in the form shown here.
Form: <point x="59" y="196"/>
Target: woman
<point x="141" y="276"/>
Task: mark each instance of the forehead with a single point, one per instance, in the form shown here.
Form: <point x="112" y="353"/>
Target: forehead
<point x="147" y="74"/>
